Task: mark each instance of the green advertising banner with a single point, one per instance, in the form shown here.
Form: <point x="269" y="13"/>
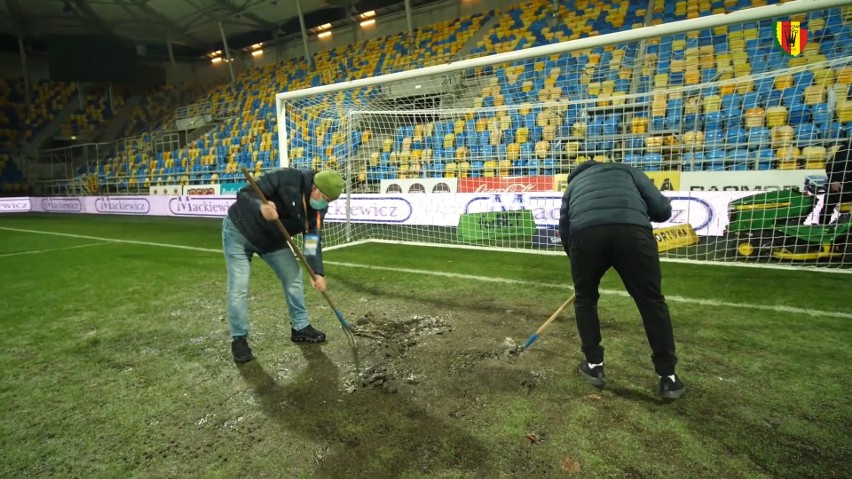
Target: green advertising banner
<point x="478" y="227"/>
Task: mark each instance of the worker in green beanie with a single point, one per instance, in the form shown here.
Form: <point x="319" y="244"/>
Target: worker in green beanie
<point x="299" y="198"/>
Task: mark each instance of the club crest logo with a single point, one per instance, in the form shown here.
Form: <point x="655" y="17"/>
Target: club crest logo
<point x="791" y="37"/>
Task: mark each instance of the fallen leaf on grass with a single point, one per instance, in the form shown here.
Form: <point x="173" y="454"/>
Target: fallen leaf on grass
<point x="570" y="465"/>
<point x="532" y="438"/>
<point x="594" y="397"/>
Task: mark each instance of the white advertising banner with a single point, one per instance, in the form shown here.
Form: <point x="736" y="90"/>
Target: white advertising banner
<point x="198" y="206"/>
<point x="706" y="211"/>
<point x="420" y="185"/>
<point x="769" y="180"/>
<point x="56" y="204"/>
<point x="15" y="205"/>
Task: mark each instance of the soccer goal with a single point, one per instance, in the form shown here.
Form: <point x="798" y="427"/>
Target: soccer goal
<point x="733" y="116"/>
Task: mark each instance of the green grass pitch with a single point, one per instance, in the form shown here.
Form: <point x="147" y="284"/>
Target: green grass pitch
<point x="116" y="363"/>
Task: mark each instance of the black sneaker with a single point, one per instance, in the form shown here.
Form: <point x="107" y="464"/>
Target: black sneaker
<point x="241" y="350"/>
<point x="594" y="376"/>
<point x="671" y="389"/>
<point x="307" y="335"/>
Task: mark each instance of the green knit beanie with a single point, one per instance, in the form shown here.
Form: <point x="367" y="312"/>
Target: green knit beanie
<point x="330" y="183"/>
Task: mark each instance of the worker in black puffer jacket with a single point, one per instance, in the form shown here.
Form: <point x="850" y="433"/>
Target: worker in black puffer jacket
<point x="605" y="221"/>
<point x="300" y="200"/>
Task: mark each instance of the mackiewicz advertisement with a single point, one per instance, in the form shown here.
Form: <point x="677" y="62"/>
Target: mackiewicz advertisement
<point x="15" y="205"/>
<point x="62" y="205"/>
<point x="706" y="212"/>
<point x="701" y="201"/>
<point x="122" y="205"/>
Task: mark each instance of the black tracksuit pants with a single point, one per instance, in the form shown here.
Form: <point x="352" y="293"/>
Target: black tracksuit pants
<point x="632" y="251"/>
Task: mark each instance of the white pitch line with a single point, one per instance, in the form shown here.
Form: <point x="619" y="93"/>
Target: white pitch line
<point x="485" y="279"/>
<point x="36" y="251"/>
<point x="113" y="240"/>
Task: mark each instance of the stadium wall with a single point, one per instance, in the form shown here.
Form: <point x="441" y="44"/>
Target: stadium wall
<point x="10" y="66"/>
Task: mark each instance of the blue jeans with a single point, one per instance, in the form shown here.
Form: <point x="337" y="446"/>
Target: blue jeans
<point x="238" y="254"/>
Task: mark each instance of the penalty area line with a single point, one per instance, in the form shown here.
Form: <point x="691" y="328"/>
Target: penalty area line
<point x="484" y="279"/>
<point x="113" y="240"/>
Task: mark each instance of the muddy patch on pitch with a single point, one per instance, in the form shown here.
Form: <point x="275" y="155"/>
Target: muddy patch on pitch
<point x="404" y="332"/>
<point x="383" y="340"/>
<point x="388" y="361"/>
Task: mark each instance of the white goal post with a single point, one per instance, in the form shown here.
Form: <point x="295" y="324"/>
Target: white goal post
<point x="475" y="153"/>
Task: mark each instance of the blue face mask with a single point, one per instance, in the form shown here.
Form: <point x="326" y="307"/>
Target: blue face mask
<point x="319" y="204"/>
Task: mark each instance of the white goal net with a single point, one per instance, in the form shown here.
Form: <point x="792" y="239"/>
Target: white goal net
<point x="731" y="116"/>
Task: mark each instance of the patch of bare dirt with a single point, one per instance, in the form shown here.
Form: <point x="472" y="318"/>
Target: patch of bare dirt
<point x="383" y="338"/>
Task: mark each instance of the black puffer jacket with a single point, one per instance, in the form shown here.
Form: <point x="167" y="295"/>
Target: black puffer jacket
<point x="610" y="194"/>
<point x="290" y="190"/>
<point x="839" y="168"/>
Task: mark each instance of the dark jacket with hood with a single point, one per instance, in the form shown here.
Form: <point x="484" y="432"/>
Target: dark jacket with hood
<point x="609" y="194"/>
<point x="290" y="190"/>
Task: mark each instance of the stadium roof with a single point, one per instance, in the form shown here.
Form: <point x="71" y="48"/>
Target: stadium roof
<point x="192" y="26"/>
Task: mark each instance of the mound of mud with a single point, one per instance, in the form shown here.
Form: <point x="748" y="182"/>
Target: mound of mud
<point x="390" y="337"/>
<point x="403" y="331"/>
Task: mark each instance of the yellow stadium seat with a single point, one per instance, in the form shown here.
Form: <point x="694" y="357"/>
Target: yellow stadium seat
<point x="458" y="127"/>
<point x="638" y="125"/>
<point x="776" y="116"/>
<point x="693" y="139"/>
<point x="782" y="82"/>
<point x="461" y="153"/>
<point x="513" y="151"/>
<point x="544" y="118"/>
<point x="754" y="117"/>
<point x="782" y="136"/>
<point x="463" y="169"/>
<point x="549" y="132"/>
<point x="449" y="140"/>
<point x="844" y="111"/>
<point x="542" y="148"/>
<point x="490" y="169"/>
<point x="504" y="167"/>
<point x="505" y="122"/>
<point x="815" y="94"/>
<point x="844" y="76"/>
<point x="653" y="143"/>
<point x="450" y="170"/>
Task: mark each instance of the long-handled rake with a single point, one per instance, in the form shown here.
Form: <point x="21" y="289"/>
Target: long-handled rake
<point x="347" y="329"/>
<point x="546" y="324"/>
